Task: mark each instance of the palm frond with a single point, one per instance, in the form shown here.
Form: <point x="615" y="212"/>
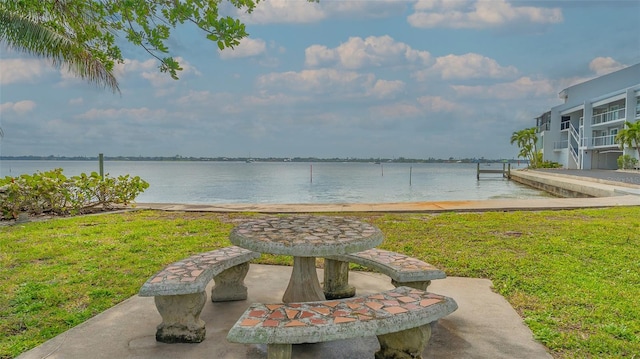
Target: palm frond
<point x="35" y="38"/>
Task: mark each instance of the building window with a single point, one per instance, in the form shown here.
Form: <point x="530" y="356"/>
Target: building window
<point x="612" y="136"/>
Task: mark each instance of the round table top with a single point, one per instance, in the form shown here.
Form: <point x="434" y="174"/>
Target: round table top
<point x="306" y="236"/>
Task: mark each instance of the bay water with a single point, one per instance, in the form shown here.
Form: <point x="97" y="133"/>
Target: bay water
<point x="209" y="182"/>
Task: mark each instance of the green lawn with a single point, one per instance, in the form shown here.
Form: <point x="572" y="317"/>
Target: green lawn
<point x="574" y="276"/>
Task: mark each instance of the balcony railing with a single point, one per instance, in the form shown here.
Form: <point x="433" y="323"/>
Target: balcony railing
<point x="544" y="127"/>
<point x="608" y="116"/>
<point x="608" y="140"/>
<point x="560" y="145"/>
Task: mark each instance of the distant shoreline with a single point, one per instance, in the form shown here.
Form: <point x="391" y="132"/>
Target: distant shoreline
<point x="258" y="159"/>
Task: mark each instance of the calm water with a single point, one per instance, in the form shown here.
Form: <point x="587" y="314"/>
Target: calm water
<point x="290" y="182"/>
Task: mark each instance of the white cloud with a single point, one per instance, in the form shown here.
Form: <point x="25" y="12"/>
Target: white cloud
<point x="284" y="11"/>
<point x="364" y="9"/>
<point x="22" y="70"/>
<point x="157" y="79"/>
<point x="287" y="11"/>
<point x="247" y="48"/>
<point x="129" y="66"/>
<point x="162" y="82"/>
<point x="386" y="89"/>
<point x="141" y="114"/>
<point x="149" y="70"/>
<point x="436" y="104"/>
<point x="479" y="14"/>
<point x="522" y="88"/>
<point x="20" y="107"/>
<point x="604" y="65"/>
<point x="269" y="100"/>
<point x="317" y="55"/>
<point x="195" y="97"/>
<point x="318" y="81"/>
<point x="218" y="103"/>
<point x="76" y="101"/>
<point x="467" y="66"/>
<point x="599" y="65"/>
<point x="374" y="51"/>
<point x="425" y="5"/>
<point x="396" y="110"/>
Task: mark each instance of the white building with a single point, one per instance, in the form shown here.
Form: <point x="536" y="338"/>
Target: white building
<point x="580" y="133"/>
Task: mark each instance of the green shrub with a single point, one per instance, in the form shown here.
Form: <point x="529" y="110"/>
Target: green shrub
<point x="53" y="192"/>
<point x="549" y="164"/>
<point x="627" y="162"/>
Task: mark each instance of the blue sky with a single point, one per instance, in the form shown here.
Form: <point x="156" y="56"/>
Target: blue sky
<point x="368" y="79"/>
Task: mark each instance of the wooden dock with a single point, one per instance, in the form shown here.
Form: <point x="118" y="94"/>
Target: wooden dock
<point x="505" y="171"/>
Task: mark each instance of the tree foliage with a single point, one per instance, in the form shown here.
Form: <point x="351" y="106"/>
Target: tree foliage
<point x="526" y="140"/>
<point x="630" y="136"/>
<point x="85" y="35"/>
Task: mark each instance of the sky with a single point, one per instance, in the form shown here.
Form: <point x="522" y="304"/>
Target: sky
<point x="365" y="79"/>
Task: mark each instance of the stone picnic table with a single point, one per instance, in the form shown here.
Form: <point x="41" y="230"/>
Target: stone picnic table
<point x="305" y="238"/>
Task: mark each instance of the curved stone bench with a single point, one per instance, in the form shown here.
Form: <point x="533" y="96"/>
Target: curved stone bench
<point x="399" y="318"/>
<point x="179" y="290"/>
<point x="402" y="269"/>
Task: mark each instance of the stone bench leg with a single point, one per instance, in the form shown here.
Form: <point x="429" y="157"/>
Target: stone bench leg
<point x="336" y="280"/>
<point x="422" y="285"/>
<point x="279" y="351"/>
<point x="181" y="321"/>
<point x="405" y="344"/>
<point x="229" y="285"/>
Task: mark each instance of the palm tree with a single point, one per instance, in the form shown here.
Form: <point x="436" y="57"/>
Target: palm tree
<point x="526" y="140"/>
<point x="32" y="34"/>
<point x="630" y="136"/>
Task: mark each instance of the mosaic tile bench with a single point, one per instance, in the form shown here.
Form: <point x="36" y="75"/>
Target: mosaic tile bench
<point x="400" y="318"/>
<point x="403" y="271"/>
<point x="179" y="290"/>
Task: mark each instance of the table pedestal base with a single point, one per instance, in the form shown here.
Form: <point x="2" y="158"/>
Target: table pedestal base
<point x="336" y="280"/>
<point x="304" y="285"/>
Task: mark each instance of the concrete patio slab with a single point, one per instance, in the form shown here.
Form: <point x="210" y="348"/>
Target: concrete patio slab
<point x="484" y="326"/>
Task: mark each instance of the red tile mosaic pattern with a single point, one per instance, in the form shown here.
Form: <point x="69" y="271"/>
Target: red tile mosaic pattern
<point x="189" y="270"/>
<point x="306" y="235"/>
<point x="396" y="261"/>
<point x="399" y="267"/>
<point x="309" y="314"/>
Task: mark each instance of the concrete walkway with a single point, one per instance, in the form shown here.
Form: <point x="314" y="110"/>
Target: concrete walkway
<point x="484" y="326"/>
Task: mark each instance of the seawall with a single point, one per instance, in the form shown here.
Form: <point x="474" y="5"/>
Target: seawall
<point x="572" y="186"/>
